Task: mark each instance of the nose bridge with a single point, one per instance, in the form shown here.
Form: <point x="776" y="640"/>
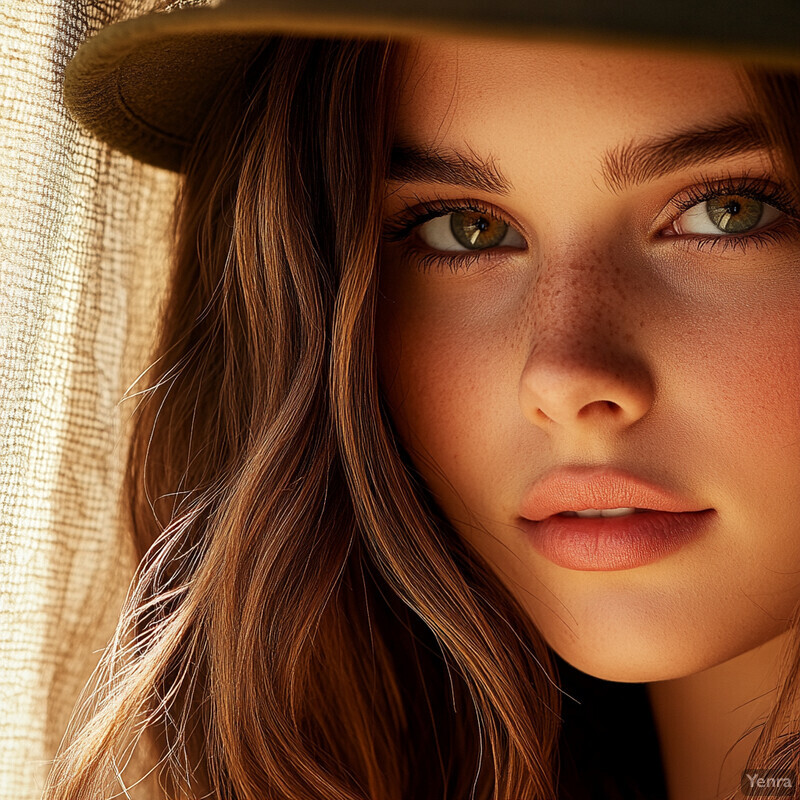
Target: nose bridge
<point x="582" y="359"/>
<point x="579" y="300"/>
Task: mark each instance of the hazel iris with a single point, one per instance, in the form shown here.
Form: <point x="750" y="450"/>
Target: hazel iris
<point x="475" y="230"/>
<point x="734" y="213"/>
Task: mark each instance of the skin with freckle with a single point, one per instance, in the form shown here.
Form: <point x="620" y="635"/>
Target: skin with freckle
<point x="600" y="343"/>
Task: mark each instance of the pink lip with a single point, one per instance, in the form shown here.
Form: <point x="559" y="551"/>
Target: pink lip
<point x="611" y="543"/>
<point x="579" y="488"/>
<point x="608" y="543"/>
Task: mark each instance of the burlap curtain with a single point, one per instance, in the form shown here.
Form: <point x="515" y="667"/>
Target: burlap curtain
<point x="83" y="251"/>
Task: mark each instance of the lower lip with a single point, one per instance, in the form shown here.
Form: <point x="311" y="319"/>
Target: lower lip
<point x="609" y="543"/>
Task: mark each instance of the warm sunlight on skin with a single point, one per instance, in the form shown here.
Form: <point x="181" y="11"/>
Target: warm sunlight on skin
<point x="507" y="368"/>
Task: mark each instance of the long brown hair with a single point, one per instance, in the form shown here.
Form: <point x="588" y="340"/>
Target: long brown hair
<point x="304" y="622"/>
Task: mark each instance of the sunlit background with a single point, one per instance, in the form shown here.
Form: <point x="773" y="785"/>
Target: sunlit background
<point x="82" y="254"/>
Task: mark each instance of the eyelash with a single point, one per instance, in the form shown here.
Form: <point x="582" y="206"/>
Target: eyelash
<point x="403" y="225"/>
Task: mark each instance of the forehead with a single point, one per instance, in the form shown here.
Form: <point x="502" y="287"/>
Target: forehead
<point x="525" y="94"/>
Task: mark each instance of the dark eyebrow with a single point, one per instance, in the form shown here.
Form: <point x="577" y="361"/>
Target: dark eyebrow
<point x="410" y="163"/>
<point x="639" y="162"/>
<point x="623" y="166"/>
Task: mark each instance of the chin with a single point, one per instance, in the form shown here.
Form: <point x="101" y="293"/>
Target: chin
<point x="647" y="636"/>
<point x="627" y="660"/>
<point x="627" y="672"/>
<point x="642" y="670"/>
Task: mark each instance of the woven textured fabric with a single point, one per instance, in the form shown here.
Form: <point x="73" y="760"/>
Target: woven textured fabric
<point x="83" y="255"/>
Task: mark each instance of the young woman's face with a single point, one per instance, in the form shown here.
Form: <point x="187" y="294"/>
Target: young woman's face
<point x="572" y="315"/>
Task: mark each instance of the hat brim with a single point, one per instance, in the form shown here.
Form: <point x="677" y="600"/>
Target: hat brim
<point x="144" y="85"/>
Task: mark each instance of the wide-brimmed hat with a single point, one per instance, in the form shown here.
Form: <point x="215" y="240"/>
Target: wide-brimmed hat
<point x="144" y="85"/>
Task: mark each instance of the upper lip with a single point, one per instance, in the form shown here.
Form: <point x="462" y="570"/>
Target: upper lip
<point x="579" y="488"/>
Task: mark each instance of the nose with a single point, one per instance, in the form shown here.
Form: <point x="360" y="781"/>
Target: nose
<point x="582" y="371"/>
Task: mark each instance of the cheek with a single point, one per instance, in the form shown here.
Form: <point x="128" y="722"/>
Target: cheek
<point x="442" y="386"/>
<point x="752" y="404"/>
<point x="744" y="389"/>
<point x="447" y="377"/>
<point x="759" y="378"/>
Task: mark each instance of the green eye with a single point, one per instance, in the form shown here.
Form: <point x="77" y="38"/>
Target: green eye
<point x="467" y="229"/>
<point x="727" y="214"/>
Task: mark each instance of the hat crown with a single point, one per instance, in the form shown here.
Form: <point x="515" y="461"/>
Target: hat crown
<point x="146" y="84"/>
